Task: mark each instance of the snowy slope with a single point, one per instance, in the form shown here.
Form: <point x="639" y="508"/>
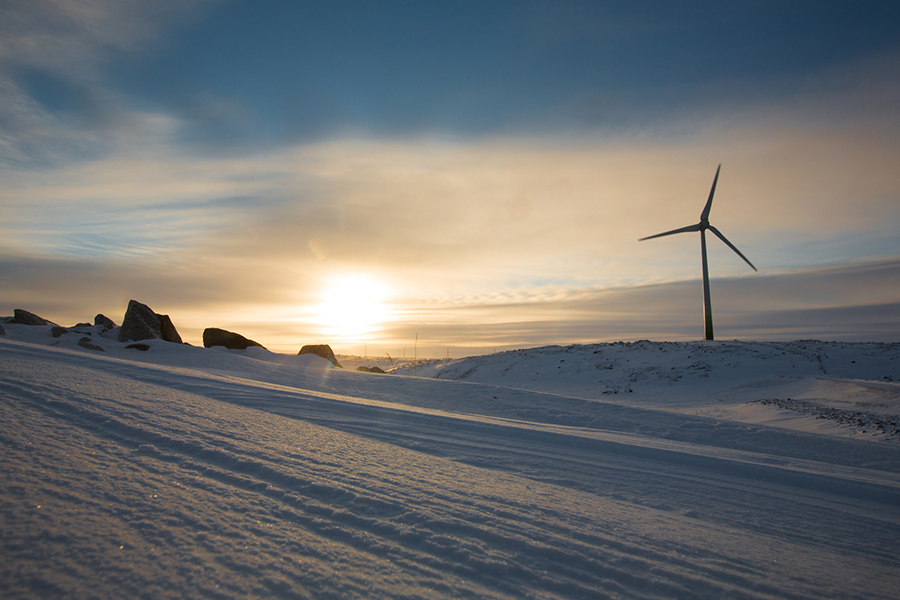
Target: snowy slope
<point x="838" y="388"/>
<point x="185" y="472"/>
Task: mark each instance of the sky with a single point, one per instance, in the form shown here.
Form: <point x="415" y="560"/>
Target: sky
<point x="452" y="178"/>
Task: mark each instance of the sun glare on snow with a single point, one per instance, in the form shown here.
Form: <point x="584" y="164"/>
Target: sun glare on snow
<point x="352" y="305"/>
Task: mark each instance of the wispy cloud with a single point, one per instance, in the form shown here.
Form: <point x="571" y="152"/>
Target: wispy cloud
<point x="57" y="104"/>
<point x="498" y="238"/>
<point x="535" y="209"/>
<point x="856" y="302"/>
<point x="505" y="211"/>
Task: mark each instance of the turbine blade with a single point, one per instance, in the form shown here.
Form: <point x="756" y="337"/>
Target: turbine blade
<point x="681" y="230"/>
<point x="732" y="246"/>
<point x="712" y="191"/>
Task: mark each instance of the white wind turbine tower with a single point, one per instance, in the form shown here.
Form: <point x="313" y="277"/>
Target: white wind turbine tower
<point x="702" y="226"/>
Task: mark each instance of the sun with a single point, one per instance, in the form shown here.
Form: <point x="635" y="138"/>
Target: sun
<point x="352" y="305"/>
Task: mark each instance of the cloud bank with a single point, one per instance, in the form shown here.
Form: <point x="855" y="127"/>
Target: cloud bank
<point x="448" y="224"/>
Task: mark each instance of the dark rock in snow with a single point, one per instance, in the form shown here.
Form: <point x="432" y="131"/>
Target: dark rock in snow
<point x="323" y="350"/>
<point x="167" y="330"/>
<point x="105" y="321"/>
<point x="370" y="369"/>
<point x="23" y="317"/>
<point x="141" y="323"/>
<point x="141" y="347"/>
<point x="2" y="331"/>
<point x="85" y="342"/>
<point x="213" y="336"/>
<point x="58" y="331"/>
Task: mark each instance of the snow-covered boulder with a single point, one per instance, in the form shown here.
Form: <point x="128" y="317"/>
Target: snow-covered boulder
<point x="85" y="342"/>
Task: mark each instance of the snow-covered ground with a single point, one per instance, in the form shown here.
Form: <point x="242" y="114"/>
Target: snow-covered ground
<point x="808" y="385"/>
<point x="642" y="470"/>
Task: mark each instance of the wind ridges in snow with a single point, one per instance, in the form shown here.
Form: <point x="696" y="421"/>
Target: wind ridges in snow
<point x="325" y="394"/>
<point x="179" y="470"/>
<point x="163" y="480"/>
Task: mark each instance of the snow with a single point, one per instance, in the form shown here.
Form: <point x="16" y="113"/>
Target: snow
<point x="641" y="470"/>
<point x="833" y="381"/>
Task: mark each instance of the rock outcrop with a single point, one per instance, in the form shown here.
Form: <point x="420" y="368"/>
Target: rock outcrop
<point x="104" y="321"/>
<point x="2" y="331"/>
<point x="58" y="331"/>
<point x="141" y="323"/>
<point x="323" y="350"/>
<point x="23" y="317"/>
<point x="213" y="336"/>
<point x="365" y="369"/>
<point x="167" y="330"/>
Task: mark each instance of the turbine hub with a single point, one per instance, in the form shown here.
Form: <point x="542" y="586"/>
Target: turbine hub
<point x="704" y="224"/>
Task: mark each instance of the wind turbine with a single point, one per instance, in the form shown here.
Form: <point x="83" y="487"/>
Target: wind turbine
<point x="702" y="226"/>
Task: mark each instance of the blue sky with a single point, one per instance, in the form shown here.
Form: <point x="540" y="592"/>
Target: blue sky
<point x="490" y="165"/>
<point x="269" y="72"/>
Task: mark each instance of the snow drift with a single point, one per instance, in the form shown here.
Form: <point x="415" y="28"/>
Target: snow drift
<point x="189" y="472"/>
